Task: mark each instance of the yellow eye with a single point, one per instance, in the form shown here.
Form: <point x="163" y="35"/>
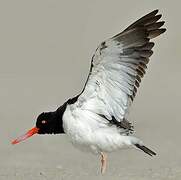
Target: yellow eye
<point x="44" y="122"/>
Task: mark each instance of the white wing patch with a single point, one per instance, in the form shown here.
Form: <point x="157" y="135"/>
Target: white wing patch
<point x="106" y="88"/>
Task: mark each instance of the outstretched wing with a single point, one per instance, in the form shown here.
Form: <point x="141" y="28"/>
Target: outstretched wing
<point x="117" y="67"/>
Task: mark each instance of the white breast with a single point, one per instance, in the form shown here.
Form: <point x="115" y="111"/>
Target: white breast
<point x="89" y="132"/>
<point x="77" y="128"/>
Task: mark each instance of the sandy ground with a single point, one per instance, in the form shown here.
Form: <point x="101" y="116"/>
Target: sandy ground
<point x="45" y="51"/>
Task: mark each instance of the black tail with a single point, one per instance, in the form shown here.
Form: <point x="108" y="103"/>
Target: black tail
<point x="145" y="149"/>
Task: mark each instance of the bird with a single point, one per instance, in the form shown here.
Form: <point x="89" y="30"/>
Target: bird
<point x="96" y="120"/>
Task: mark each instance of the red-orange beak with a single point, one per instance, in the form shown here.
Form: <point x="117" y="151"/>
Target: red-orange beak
<point x="30" y="133"/>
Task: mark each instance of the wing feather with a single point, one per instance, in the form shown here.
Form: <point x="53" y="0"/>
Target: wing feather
<point x="117" y="67"/>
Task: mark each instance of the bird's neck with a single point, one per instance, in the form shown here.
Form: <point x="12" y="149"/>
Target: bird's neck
<point x="58" y="115"/>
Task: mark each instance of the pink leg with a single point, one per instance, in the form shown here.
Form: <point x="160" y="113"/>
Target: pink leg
<point x="103" y="162"/>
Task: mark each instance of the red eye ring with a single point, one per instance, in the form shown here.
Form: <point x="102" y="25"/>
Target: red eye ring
<point x="44" y="122"/>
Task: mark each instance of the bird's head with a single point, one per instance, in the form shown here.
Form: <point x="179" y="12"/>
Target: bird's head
<point x="49" y="123"/>
<point x="46" y="123"/>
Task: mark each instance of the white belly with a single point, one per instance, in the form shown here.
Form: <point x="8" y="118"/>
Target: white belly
<point x="89" y="132"/>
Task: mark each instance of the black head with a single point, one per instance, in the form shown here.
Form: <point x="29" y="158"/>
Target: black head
<point x="49" y="123"/>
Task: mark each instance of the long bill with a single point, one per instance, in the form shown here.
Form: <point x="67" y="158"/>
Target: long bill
<point x="30" y="133"/>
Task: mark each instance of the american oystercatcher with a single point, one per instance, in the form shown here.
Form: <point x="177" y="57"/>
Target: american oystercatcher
<point x="96" y="120"/>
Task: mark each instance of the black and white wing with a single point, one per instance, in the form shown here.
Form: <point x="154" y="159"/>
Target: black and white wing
<point x="117" y="67"/>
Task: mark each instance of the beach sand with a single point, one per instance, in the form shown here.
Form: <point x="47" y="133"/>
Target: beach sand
<point x="46" y="47"/>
